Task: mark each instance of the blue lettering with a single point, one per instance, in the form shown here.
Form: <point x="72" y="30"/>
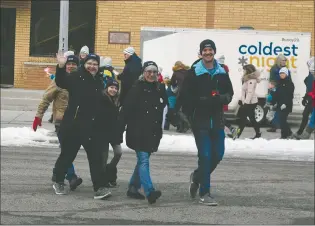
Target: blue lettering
<point x="268" y="48"/>
<point x="286" y="51"/>
<point x="240" y="49"/>
<point x="294" y="48"/>
<point x="276" y="50"/>
<point x="259" y="48"/>
<point x="252" y="47"/>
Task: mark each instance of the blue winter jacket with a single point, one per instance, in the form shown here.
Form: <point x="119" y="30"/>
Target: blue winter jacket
<point x="171" y="98"/>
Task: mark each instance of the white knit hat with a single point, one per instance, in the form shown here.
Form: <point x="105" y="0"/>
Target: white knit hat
<point x="130" y="50"/>
<point x="284" y="70"/>
<point x="311" y="67"/>
<point x="107" y="62"/>
<point x="68" y="53"/>
<point x="85" y="50"/>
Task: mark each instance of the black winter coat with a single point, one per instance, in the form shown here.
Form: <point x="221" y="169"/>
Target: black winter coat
<point x="130" y="74"/>
<point x="204" y="109"/>
<point x="85" y="115"/>
<point x="142" y="112"/>
<point x="284" y="94"/>
<point x="111" y="105"/>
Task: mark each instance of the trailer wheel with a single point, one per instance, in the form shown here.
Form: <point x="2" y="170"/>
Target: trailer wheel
<point x="260" y="112"/>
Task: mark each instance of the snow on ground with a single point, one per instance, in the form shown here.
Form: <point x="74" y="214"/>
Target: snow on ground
<point x="298" y="150"/>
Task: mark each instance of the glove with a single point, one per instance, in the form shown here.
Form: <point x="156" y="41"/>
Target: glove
<point x="283" y="106"/>
<point x="306" y="100"/>
<point x="240" y="103"/>
<point x="37" y="122"/>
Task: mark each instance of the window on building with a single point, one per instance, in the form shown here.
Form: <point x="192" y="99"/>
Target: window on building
<point x="45" y="26"/>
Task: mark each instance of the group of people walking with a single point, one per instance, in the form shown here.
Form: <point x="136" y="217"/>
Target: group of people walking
<point x="91" y="109"/>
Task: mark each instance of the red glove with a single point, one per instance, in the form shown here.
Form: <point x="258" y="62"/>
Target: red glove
<point x="37" y="122"/>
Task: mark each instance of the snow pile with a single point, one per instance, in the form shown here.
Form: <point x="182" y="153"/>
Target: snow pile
<point x="302" y="150"/>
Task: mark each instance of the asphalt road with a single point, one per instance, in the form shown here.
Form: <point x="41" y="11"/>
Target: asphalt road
<point x="248" y="192"/>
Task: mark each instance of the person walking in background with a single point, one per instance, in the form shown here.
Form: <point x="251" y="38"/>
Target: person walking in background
<point x="60" y="98"/>
<point x="83" y="54"/>
<point x="142" y="112"/>
<point x="307" y="102"/>
<point x="112" y="112"/>
<point x="283" y="98"/>
<point x="204" y="92"/>
<point x="281" y="61"/>
<point x="131" y="72"/>
<point x="249" y="100"/>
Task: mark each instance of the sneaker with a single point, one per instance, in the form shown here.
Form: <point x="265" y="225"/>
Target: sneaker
<point x="102" y="193"/>
<point x="135" y="195"/>
<point x="193" y="187"/>
<point x="208" y="200"/>
<point x="59" y="188"/>
<point x="75" y="182"/>
<point x="154" y="195"/>
<point x="112" y="184"/>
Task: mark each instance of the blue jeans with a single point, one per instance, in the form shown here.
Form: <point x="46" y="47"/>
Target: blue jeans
<point x="141" y="174"/>
<point x="211" y="147"/>
<point x="311" y="124"/>
<point x="70" y="171"/>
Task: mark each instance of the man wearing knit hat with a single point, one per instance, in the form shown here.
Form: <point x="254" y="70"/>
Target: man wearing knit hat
<point x="131" y="72"/>
<point x="60" y="98"/>
<point x="204" y="92"/>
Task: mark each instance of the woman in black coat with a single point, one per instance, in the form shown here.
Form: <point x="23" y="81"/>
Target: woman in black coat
<point x="142" y="112"/>
<point x="283" y="97"/>
<point x="83" y="123"/>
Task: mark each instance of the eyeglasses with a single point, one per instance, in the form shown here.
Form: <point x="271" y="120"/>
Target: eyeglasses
<point x="92" y="64"/>
<point x="151" y="72"/>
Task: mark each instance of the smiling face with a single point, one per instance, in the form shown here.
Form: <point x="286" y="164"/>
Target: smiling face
<point x="283" y="75"/>
<point x="112" y="90"/>
<point x="71" y="66"/>
<point x="208" y="54"/>
<point x="91" y="66"/>
<point x="150" y="74"/>
<point x="83" y="55"/>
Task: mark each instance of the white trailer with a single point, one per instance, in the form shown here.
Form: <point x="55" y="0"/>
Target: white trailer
<point x="165" y="46"/>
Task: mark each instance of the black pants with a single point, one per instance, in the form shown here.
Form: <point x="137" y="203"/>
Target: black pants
<point x="306" y="114"/>
<point x="248" y="110"/>
<point x="96" y="152"/>
<point x="284" y="125"/>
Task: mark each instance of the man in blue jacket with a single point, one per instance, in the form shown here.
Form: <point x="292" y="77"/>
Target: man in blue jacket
<point x="205" y="90"/>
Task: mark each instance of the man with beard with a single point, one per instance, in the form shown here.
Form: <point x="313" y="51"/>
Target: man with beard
<point x="204" y="92"/>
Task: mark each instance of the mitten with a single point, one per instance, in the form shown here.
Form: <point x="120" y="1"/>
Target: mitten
<point x="37" y="122"/>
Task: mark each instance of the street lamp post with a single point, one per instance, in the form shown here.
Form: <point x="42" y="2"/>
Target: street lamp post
<point x="64" y="25"/>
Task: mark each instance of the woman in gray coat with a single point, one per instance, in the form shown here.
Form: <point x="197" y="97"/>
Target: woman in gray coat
<point x="249" y="100"/>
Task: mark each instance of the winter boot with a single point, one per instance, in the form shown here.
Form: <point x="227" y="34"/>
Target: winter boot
<point x="258" y="135"/>
<point x="75" y="182"/>
<point x="135" y="194"/>
<point x="307" y="133"/>
<point x="153" y="196"/>
<point x="111" y="172"/>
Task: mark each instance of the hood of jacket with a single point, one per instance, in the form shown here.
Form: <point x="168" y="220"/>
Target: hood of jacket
<point x="180" y="67"/>
<point x="255" y="75"/>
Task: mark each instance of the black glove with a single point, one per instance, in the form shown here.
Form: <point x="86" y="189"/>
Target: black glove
<point x="240" y="103"/>
<point x="306" y="100"/>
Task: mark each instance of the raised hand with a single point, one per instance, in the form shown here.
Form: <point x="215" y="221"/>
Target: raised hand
<point x="61" y="59"/>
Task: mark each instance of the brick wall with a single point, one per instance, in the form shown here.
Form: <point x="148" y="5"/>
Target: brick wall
<point x="130" y="16"/>
<point x="296" y="16"/>
<point x="34" y="76"/>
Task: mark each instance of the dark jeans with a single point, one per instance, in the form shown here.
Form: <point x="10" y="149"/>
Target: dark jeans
<point x="141" y="174"/>
<point x="248" y="110"/>
<point x="71" y="171"/>
<point x="306" y="114"/>
<point x="284" y="125"/>
<point x="211" y="147"/>
<point x="96" y="152"/>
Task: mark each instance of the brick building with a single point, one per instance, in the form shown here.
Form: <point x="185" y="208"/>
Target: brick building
<point x="130" y="16"/>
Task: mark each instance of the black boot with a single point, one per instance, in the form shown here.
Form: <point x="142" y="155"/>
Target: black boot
<point x="135" y="194"/>
<point x="258" y="135"/>
<point x="154" y="195"/>
<point x="75" y="182"/>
